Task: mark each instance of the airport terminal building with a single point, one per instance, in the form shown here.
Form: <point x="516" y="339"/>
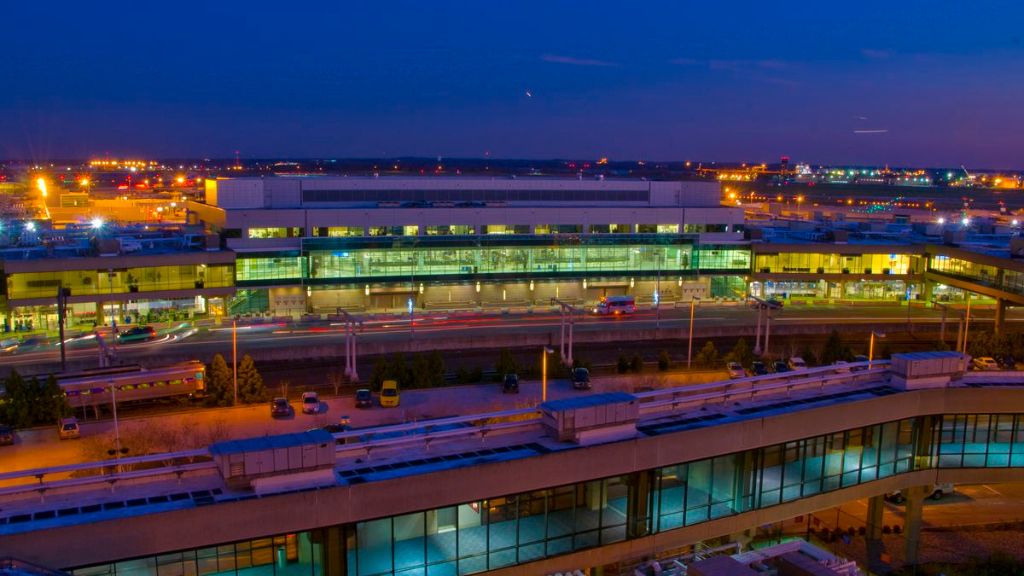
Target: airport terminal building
<point x="314" y="244"/>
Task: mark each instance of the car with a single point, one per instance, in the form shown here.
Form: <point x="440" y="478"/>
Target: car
<point x="781" y="366"/>
<point x="985" y="363"/>
<point x="841" y="366"/>
<point x="389" y="395"/>
<point x="137" y="334"/>
<point x="797" y="363"/>
<point x="280" y="408"/>
<point x="580" y="378"/>
<point x="310" y="403"/>
<point x="938" y="491"/>
<point x="1007" y="362"/>
<point x="858" y="359"/>
<point x="735" y="370"/>
<point x="758" y="368"/>
<point x="6" y="435"/>
<point x="510" y="384"/>
<point x="364" y="398"/>
<point x="67" y="428"/>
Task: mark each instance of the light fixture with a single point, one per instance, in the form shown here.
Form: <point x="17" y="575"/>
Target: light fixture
<point x="96" y="223"/>
<point x="30" y="226"/>
<point x="942" y="220"/>
<point x="366" y="290"/>
<point x="966" y="221"/>
<point x="531" y="285"/>
<point x="478" y="286"/>
<point x="584" y="283"/>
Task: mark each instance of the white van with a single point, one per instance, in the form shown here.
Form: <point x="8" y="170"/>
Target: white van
<point x="938" y="491"/>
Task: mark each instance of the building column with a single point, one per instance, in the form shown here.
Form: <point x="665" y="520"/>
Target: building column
<point x="334" y="561"/>
<point x="912" y="521"/>
<point x="638" y="509"/>
<point x="1000" y="315"/>
<point x="873" y="540"/>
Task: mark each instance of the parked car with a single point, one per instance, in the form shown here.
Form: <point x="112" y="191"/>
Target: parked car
<point x="735" y="370"/>
<point x="137" y="334"/>
<point x="781" y="366"/>
<point x="857" y="359"/>
<point x="758" y="368"/>
<point x="985" y="363"/>
<point x="938" y="491"/>
<point x="364" y="398"/>
<point x="343" y="425"/>
<point x="1007" y="362"/>
<point x="581" y="379"/>
<point x="6" y="435"/>
<point x="310" y="403"/>
<point x="389" y="395"/>
<point x="67" y="428"/>
<point x="510" y="384"/>
<point x="280" y="408"/>
<point x="797" y="363"/>
<point x="841" y="366"/>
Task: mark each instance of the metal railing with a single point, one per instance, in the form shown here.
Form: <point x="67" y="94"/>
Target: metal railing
<point x="369" y="440"/>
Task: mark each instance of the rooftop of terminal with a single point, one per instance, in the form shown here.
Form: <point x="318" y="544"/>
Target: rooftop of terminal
<point x="81" y="493"/>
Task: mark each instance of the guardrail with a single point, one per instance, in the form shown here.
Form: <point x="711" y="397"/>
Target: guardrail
<point x="749" y="388"/>
<point x="366" y="441"/>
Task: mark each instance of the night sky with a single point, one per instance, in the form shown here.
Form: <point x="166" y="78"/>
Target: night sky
<point x="935" y="83"/>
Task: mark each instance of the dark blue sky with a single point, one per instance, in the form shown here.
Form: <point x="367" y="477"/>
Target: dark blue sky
<point x="926" y="83"/>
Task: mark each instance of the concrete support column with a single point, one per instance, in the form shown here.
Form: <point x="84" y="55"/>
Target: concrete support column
<point x="873" y="540"/>
<point x="1000" y="315"/>
<point x="876" y="505"/>
<point x="334" y="551"/>
<point x="912" y="521"/>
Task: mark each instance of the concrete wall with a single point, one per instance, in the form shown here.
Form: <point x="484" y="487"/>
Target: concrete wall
<point x="157" y="533"/>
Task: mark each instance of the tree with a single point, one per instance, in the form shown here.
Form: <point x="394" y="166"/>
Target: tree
<point x="250" y="383"/>
<point x="834" y="349"/>
<point x="220" y="390"/>
<point x="664" y="361"/>
<point x="636" y="364"/>
<point x="740" y="353"/>
<point x="708" y="355"/>
<point x="622" y="366"/>
<point x="435" y="366"/>
<point x="29" y="402"/>
<point x="506" y="363"/>
<point x="18" y="399"/>
<point x="808" y="355"/>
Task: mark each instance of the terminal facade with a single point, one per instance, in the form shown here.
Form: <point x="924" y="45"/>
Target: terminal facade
<point x="289" y="246"/>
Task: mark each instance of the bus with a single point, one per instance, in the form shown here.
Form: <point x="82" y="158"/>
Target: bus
<point x="133" y="383"/>
<point x="616" y="305"/>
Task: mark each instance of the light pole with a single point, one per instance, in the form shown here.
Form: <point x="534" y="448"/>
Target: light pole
<point x="234" y="358"/>
<point x="117" y="429"/>
<point x="967" y="322"/>
<point x="657" y="292"/>
<point x="544" y="373"/>
<point x="689" y="343"/>
<point x="871" y="346"/>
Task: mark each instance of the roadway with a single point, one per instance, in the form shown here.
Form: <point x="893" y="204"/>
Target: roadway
<point x="185" y="340"/>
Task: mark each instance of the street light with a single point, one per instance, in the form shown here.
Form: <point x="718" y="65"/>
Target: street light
<point x="544" y="373"/>
<point x="967" y="321"/>
<point x="689" y="351"/>
<point x="871" y="346"/>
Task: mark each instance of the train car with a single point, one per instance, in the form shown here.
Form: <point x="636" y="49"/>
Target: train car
<point x="133" y="383"/>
